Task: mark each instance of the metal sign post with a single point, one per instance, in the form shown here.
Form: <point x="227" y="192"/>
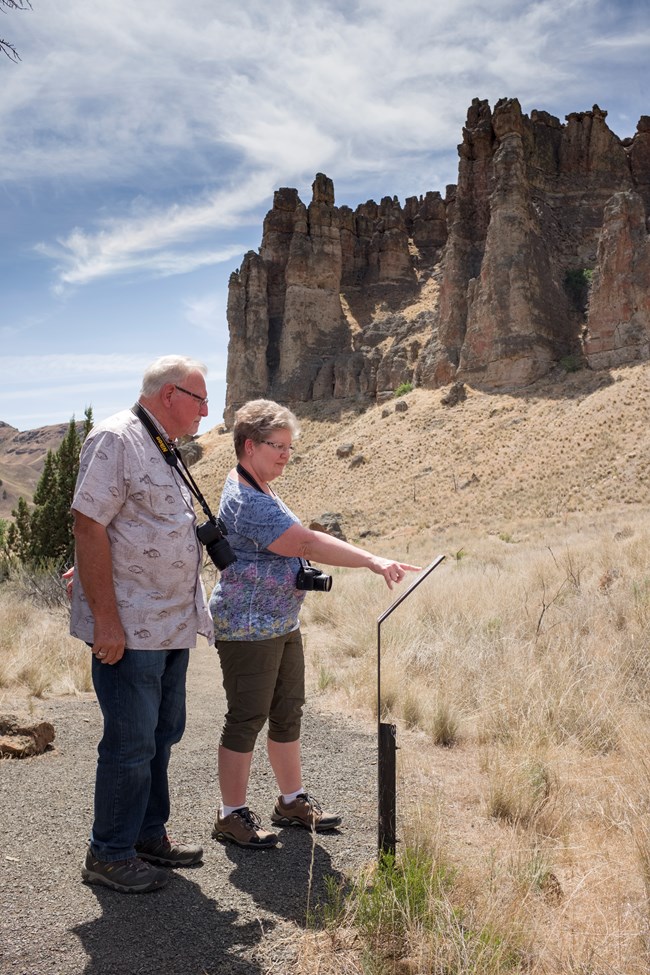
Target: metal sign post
<point x="387" y="738"/>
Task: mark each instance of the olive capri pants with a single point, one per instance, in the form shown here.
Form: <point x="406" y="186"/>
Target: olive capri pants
<point x="263" y="679"/>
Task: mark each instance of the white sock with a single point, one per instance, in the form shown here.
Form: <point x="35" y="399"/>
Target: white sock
<point x="291" y="796"/>
<point x="226" y="810"/>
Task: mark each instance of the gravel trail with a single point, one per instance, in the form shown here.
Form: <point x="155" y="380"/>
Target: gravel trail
<point x="229" y="916"/>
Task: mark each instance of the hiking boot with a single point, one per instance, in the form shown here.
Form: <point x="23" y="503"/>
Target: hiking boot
<point x="243" y="827"/>
<point x="304" y="811"/>
<point x="169" y="853"/>
<point x="132" y="876"/>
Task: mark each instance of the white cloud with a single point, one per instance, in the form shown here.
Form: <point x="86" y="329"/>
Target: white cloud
<point x="158" y="97"/>
<point x="140" y="242"/>
<point x="207" y="313"/>
<point x="21" y="370"/>
<point x="40" y="390"/>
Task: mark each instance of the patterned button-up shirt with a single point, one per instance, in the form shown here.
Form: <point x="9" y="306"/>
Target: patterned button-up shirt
<point x="125" y="485"/>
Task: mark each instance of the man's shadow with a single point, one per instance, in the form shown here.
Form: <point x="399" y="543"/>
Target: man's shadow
<point x="292" y="881"/>
<point x="173" y="931"/>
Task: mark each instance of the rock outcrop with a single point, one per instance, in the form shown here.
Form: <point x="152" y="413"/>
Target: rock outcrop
<point x="489" y="285"/>
<point x="619" y="304"/>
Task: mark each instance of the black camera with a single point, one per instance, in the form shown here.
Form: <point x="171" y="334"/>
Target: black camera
<point x="310" y="579"/>
<point x="212" y="534"/>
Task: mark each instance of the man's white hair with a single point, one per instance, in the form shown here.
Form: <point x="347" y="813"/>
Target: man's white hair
<point x="169" y="369"/>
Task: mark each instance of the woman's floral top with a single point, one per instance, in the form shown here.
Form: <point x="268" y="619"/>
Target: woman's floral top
<point x="256" y="597"/>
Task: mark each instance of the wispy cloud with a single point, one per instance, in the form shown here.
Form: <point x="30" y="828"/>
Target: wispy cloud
<point x="207" y="313"/>
<point x="159" y="98"/>
<point x="156" y="241"/>
<point x="20" y="370"/>
<point x="70" y="382"/>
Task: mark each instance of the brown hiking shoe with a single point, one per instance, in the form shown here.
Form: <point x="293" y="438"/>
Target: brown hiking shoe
<point x="132" y="876"/>
<point x="243" y="827"/>
<point x="168" y="853"/>
<point x="304" y="811"/>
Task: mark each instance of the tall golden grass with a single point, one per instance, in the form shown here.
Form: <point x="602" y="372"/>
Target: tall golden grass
<point x="37" y="654"/>
<point x="518" y="675"/>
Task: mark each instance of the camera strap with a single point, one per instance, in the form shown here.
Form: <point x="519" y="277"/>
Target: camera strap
<point x="172" y="456"/>
<point x="248" y="477"/>
<point x="253" y="483"/>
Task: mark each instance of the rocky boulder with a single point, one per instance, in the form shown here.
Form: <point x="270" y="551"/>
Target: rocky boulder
<point x="330" y="523"/>
<point x="22" y="736"/>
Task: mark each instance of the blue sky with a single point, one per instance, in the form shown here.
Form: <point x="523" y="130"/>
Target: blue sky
<point x="142" y="141"/>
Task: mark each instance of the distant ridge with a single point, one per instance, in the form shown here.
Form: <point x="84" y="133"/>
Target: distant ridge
<point x="22" y="455"/>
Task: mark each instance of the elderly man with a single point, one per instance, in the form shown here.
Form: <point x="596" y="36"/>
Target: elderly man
<point x="138" y="601"/>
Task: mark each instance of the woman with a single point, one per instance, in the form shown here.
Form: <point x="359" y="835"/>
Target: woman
<point x="255" y="606"/>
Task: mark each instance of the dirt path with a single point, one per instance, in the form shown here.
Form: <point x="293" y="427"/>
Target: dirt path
<point x="234" y="914"/>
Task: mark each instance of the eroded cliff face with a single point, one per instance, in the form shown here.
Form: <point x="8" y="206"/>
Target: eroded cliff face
<point x="489" y="284"/>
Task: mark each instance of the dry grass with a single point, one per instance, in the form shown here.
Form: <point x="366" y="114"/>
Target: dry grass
<point x="530" y="663"/>
<point x="579" y="443"/>
<point x="37" y="654"/>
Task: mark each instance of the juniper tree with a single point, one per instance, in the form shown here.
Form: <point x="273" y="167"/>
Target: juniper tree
<point x="45" y="535"/>
<point x="45" y="525"/>
<point x="19" y="532"/>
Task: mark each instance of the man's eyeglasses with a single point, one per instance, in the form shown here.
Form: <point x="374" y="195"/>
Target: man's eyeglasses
<point x="199" y="399"/>
<point x="280" y="447"/>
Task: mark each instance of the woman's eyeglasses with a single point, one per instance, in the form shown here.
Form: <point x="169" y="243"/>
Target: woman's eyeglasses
<point x="282" y="448"/>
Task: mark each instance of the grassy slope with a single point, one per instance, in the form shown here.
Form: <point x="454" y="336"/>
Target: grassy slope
<point x="575" y="444"/>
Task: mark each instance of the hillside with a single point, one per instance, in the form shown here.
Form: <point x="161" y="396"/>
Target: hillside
<point x="571" y="443"/>
<point x="22" y="455"/>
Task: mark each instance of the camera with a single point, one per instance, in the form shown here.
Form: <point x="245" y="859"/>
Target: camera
<point x="310" y="579"/>
<point x="212" y="534"/>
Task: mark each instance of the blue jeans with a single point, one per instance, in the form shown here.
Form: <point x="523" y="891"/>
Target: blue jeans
<point x="142" y="698"/>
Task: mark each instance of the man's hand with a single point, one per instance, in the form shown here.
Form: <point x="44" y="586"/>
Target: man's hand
<point x="109" y="642"/>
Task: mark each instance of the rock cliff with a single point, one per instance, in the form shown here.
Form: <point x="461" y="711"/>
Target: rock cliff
<point x="541" y="252"/>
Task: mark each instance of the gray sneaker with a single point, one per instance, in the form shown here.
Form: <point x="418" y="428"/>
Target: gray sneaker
<point x="304" y="811"/>
<point x="243" y="827"/>
<point x="168" y="853"/>
<point x="131" y="876"/>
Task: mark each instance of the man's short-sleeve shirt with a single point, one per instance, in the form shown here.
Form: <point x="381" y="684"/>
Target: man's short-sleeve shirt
<point x="125" y="485"/>
<point x="256" y="597"/>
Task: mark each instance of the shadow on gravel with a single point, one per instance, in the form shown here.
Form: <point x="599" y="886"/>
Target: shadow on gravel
<point x="173" y="931"/>
<point x="288" y="881"/>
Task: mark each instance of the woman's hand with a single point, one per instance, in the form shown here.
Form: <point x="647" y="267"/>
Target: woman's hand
<point x="299" y="542"/>
<point x="392" y="571"/>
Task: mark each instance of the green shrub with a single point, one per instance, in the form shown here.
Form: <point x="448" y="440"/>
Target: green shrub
<point x="577" y="284"/>
<point x="403" y="389"/>
<point x="571" y="363"/>
<point x="410" y="902"/>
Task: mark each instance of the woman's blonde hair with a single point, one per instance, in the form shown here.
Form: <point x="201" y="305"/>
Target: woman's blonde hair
<point x="257" y="419"/>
